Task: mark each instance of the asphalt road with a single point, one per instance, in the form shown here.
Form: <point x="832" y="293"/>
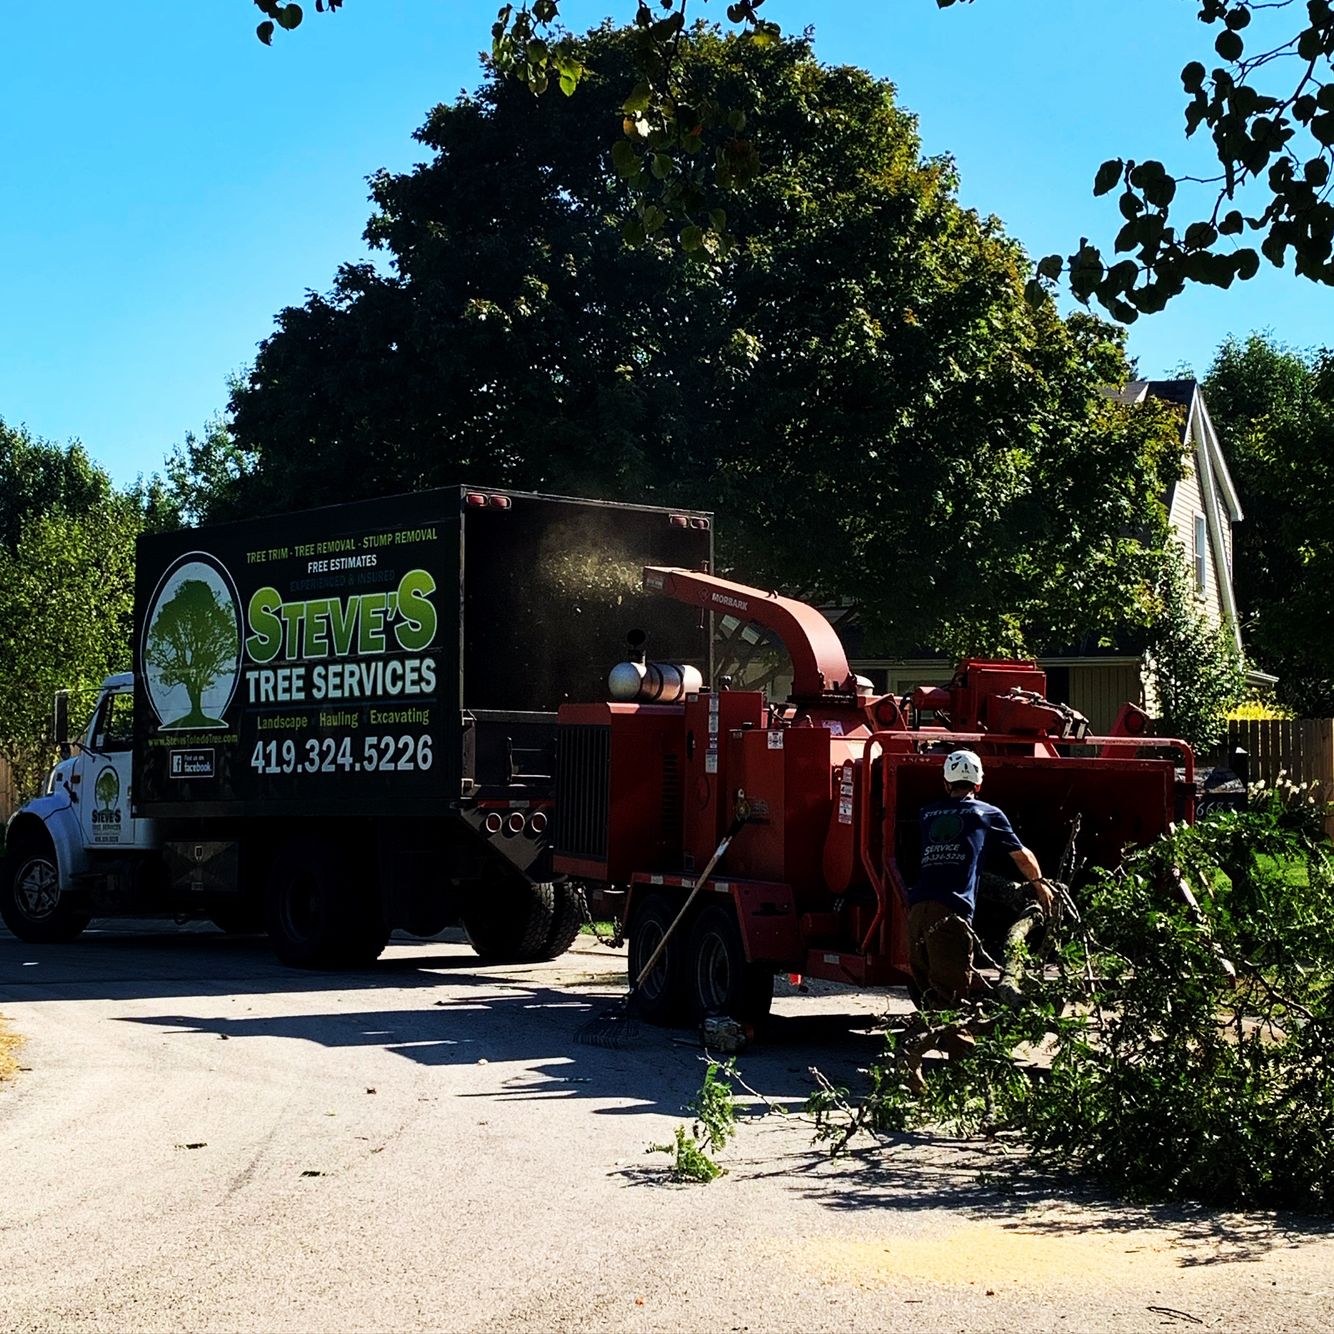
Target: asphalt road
<point x="203" y="1140"/>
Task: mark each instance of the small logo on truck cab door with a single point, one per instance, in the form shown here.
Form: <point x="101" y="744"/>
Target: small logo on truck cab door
<point x="106" y="810"/>
<point x="192" y="645"/>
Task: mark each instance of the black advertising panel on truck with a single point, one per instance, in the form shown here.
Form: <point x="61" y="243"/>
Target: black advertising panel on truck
<point x="331" y="661"/>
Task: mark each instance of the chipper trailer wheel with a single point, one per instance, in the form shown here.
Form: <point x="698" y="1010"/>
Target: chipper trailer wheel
<point x="660" y="997"/>
<point x="31" y="901"/>
<point x="718" y="977"/>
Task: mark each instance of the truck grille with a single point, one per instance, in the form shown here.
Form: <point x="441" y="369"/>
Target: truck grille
<point x="583" y="770"/>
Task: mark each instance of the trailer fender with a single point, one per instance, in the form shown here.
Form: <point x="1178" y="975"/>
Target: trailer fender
<point x="770" y="929"/>
<point x="55" y="817"/>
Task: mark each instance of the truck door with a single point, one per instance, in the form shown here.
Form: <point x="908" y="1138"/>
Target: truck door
<point x="104" y="775"/>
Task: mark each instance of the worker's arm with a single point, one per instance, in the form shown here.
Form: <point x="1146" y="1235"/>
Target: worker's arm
<point x="1032" y="872"/>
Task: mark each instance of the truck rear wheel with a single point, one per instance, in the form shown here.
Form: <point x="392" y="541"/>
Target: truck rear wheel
<point x="571" y="912"/>
<point x="719" y="980"/>
<point x="31" y="901"/>
<point x="321" y="911"/>
<point x="659" y="998"/>
<point x="510" y="920"/>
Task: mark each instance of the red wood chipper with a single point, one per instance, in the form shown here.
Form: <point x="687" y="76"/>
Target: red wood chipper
<point x="821" y="795"/>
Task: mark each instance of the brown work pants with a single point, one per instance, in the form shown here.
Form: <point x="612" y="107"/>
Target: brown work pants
<point x="940" y="954"/>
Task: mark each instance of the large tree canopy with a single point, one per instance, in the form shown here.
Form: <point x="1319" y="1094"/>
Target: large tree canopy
<point x="1275" y="409"/>
<point x="861" y="389"/>
<point x="1266" y="97"/>
<point x="66" y="586"/>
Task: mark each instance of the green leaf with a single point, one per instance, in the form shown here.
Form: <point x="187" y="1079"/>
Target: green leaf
<point x="1247" y="262"/>
<point x="625" y="159"/>
<point x="639" y="100"/>
<point x="692" y="237"/>
<point x="289" y="17"/>
<point x="1161" y="191"/>
<point x="1108" y="176"/>
<point x="265" y="32"/>
<point x="1229" y="45"/>
<point x="1200" y="235"/>
<point x="1232" y="223"/>
<point x="1192" y="77"/>
<point x="661" y="166"/>
<point x="1050" y="266"/>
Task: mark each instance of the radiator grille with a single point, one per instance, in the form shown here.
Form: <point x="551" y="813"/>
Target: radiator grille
<point x="583" y="768"/>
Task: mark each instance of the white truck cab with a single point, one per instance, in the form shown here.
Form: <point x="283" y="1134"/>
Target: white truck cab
<point x="79" y="840"/>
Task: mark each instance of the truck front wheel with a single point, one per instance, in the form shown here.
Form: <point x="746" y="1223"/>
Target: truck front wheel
<point x="322" y="910"/>
<point x="31" y="901"/>
<point x="719" y="980"/>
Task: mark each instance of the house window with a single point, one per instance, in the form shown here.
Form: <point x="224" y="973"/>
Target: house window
<point x="1201" y="548"/>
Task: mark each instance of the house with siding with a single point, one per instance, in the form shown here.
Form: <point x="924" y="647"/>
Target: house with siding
<point x="1203" y="507"/>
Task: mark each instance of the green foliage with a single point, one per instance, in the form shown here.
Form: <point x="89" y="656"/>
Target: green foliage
<point x="1275" y="148"/>
<point x="66" y="587"/>
<point x="689" y="1162"/>
<point x="1275" y="409"/>
<point x="202" y="468"/>
<point x="1194" y="664"/>
<point x="864" y="371"/>
<point x="714" y="1107"/>
<point x="1192" y="1058"/>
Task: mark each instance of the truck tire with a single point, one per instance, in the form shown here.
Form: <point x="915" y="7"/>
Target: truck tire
<point x="31" y="901"/>
<point x="718" y="978"/>
<point x="320" y="910"/>
<point x="660" y="998"/>
<point x="510" y="921"/>
<point x="570" y="914"/>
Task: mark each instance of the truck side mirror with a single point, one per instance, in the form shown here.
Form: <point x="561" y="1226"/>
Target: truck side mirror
<point x="60" y="723"/>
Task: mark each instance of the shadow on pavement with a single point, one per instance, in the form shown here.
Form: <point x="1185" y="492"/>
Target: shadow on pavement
<point x="990" y="1183"/>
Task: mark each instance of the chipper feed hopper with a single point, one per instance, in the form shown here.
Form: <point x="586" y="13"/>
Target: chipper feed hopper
<point x="823" y="792"/>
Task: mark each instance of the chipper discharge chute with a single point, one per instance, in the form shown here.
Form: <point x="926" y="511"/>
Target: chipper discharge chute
<point x="822" y="793"/>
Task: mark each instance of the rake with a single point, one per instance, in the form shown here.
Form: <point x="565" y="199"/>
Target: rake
<point x="617" y="1026"/>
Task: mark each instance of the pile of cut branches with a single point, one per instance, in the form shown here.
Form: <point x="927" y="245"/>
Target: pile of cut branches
<point x="1182" y="1047"/>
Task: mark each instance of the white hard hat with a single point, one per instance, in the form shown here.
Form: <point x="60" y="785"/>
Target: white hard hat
<point x="963" y="767"/>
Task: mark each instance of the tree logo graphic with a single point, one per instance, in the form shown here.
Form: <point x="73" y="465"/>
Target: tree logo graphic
<point x="192" y="646"/>
<point x="107" y="789"/>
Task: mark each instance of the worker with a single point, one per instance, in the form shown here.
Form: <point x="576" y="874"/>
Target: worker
<point x="956" y="831"/>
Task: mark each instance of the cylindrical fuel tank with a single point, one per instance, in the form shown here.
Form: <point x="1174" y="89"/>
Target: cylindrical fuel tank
<point x="653" y="682"/>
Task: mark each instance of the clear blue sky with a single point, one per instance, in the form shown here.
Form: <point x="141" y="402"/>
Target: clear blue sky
<point x="170" y="184"/>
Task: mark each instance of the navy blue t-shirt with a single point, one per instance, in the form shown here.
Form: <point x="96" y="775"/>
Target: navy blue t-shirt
<point x="955" y="832"/>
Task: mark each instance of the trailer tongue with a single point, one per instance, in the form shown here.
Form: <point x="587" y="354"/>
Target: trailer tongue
<point x="829" y="785"/>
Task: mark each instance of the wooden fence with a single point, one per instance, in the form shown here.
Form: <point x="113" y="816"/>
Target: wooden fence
<point x="1301" y="748"/>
